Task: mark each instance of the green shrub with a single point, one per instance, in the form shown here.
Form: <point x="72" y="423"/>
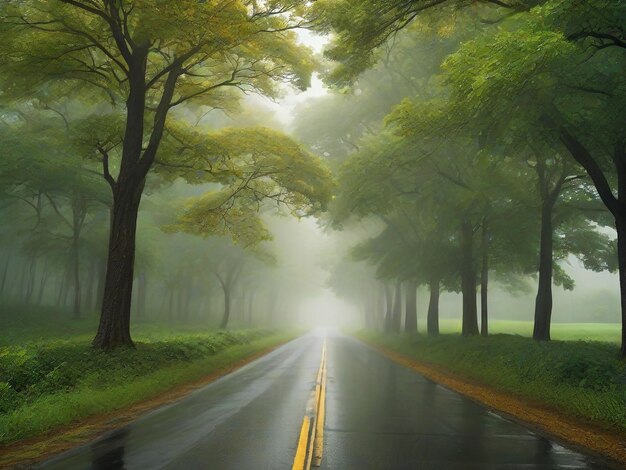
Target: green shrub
<point x="9" y="398"/>
<point x="32" y="371"/>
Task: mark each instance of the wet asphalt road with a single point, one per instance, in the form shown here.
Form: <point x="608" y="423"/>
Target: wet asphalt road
<point x="379" y="416"/>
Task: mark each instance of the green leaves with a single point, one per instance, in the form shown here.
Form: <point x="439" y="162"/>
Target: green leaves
<point x="257" y="169"/>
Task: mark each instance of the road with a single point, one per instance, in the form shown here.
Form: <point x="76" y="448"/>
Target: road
<point x="379" y="415"/>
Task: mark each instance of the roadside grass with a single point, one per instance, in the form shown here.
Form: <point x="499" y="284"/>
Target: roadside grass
<point x="52" y="382"/>
<point x="581" y="379"/>
<point x="607" y="332"/>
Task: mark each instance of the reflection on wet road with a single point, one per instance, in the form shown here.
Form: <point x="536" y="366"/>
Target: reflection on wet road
<point x="379" y="415"/>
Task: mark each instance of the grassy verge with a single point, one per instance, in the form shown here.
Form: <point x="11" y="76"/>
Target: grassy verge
<point x="47" y="385"/>
<point x="584" y="380"/>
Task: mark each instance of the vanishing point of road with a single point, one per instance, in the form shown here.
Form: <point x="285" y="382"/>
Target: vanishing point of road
<point x="369" y="413"/>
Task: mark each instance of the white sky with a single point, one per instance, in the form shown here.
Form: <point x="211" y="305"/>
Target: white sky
<point x="285" y="106"/>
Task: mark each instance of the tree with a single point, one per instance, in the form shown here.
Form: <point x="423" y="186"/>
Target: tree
<point x="362" y="27"/>
<point x="42" y="169"/>
<point x="572" y="94"/>
<point x="145" y="58"/>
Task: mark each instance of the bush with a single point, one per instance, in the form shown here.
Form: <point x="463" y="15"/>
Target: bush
<point x="29" y="372"/>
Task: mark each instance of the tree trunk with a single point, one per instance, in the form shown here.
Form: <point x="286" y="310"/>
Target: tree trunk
<point x="543" y="301"/>
<point x="468" y="280"/>
<point x="67" y="286"/>
<point x="226" y="317"/>
<point x="616" y="205"/>
<point x="484" y="283"/>
<point x="5" y="270"/>
<point x="621" y="255"/>
<point x="114" y="327"/>
<point x="433" y="307"/>
<point x="42" y="286"/>
<point x="30" y="281"/>
<point x="62" y="287"/>
<point x="388" y="309"/>
<point x="76" y="268"/>
<point x="410" y="323"/>
<point x="396" y="324"/>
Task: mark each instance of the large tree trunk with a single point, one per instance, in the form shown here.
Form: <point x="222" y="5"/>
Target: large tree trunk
<point x="410" y="322"/>
<point x="621" y="254"/>
<point x="468" y="280"/>
<point x="114" y="327"/>
<point x="432" y="321"/>
<point x="137" y="158"/>
<point x="543" y="301"/>
<point x="484" y="283"/>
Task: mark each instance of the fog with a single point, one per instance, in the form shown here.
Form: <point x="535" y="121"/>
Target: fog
<point x="269" y="264"/>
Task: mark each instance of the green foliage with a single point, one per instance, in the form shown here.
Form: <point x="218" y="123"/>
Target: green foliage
<point x="257" y="168"/>
<point x="363" y="27"/>
<point x="61" y="366"/>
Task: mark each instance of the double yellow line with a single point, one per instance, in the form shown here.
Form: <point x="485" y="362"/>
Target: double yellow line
<point x="311" y="441"/>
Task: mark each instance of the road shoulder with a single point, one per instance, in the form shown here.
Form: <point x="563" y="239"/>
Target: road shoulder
<point x="586" y="437"/>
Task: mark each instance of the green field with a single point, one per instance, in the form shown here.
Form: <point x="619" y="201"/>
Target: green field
<point x="606" y="332"/>
<point x="50" y="376"/>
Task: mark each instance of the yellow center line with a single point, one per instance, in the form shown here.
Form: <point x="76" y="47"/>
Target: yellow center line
<point x="303" y="442"/>
<point x="310" y="442"/>
<point x="318" y="448"/>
